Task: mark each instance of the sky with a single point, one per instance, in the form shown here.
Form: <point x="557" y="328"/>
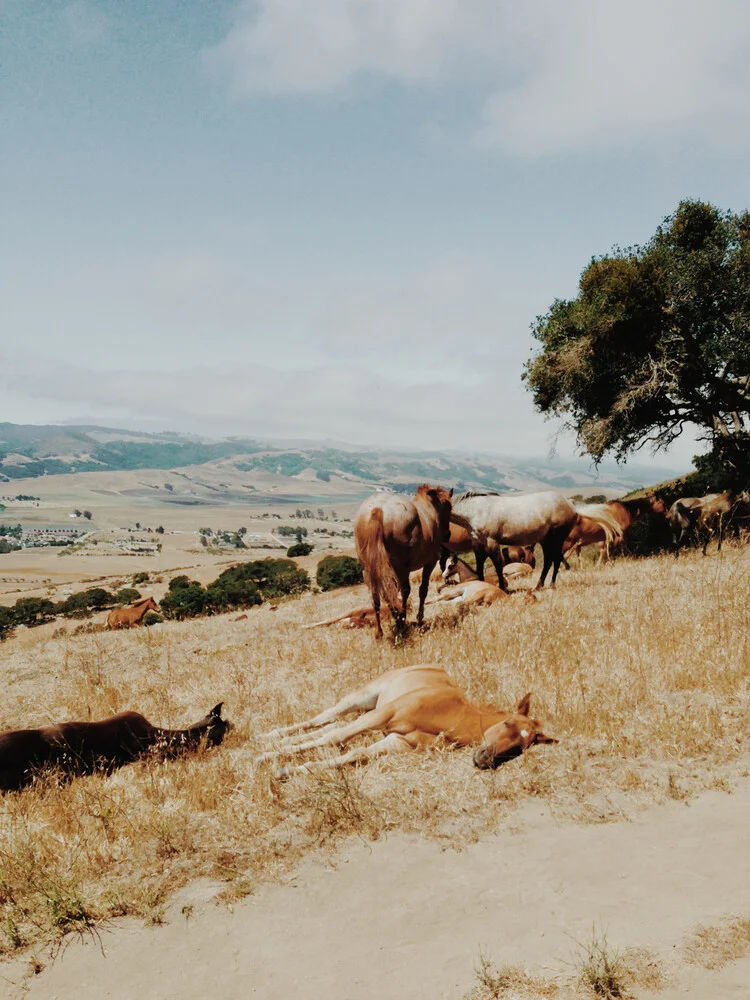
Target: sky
<point x="338" y="218"/>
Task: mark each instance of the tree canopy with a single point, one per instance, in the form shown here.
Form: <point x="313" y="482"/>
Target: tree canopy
<point x="658" y="337"/>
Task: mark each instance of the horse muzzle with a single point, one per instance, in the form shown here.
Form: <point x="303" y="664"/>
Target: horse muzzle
<point x="486" y="758"/>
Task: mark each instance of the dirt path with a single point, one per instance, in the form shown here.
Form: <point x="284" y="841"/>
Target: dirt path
<point x="403" y="918"/>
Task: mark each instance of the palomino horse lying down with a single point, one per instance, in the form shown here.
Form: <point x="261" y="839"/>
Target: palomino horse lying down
<point x="84" y="747"/>
<point x="414" y="707"/>
<point x="471" y="592"/>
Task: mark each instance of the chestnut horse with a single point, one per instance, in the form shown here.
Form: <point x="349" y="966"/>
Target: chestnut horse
<point x="496" y="520"/>
<point x="133" y="615"/>
<point x="394" y="535"/>
<point x="415" y="707"/>
<point x="83" y="747"/>
<point x="587" y="532"/>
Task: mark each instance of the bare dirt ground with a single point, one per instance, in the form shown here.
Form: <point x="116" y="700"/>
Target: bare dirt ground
<point x="406" y="918"/>
<point x="398" y="877"/>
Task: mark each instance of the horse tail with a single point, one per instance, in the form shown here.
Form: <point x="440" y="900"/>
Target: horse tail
<point x="601" y="514"/>
<point x="378" y="571"/>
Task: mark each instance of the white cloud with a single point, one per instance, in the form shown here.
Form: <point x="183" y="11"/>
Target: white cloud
<point x="546" y="76"/>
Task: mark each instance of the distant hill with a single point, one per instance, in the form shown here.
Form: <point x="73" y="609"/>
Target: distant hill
<point x="244" y="464"/>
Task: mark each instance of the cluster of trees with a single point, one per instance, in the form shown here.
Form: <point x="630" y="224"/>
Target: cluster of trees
<point x="241" y="586"/>
<point x="656" y="340"/>
<point x="31" y="611"/>
<point x="338" y="571"/>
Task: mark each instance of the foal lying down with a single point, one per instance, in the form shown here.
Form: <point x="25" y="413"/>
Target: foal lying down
<point x="84" y="747"/>
<point x="414" y="707"/>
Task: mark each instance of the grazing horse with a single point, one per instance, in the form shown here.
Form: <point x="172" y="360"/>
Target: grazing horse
<point x="684" y="519"/>
<point x="84" y="747"/>
<point x="394" y="535"/>
<point x="496" y="520"/>
<point x="587" y="532"/>
<point x="133" y="615"/>
<point x="414" y="707"/>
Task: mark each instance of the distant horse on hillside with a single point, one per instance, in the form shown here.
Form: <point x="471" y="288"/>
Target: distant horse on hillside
<point x="394" y="535"/>
<point x="496" y="520"/>
<point x="133" y="615"/>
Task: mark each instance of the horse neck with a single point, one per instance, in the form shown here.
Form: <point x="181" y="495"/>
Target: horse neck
<point x="179" y="737"/>
<point x="484" y="717"/>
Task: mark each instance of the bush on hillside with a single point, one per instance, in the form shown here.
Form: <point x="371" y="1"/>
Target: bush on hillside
<point x="338" y="571"/>
<point x="299" y="549"/>
<point x="128" y="595"/>
<point x="187" y="600"/>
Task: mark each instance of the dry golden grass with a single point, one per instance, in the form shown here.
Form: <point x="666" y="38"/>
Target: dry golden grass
<point x="641" y="669"/>
<point x="714" y="947"/>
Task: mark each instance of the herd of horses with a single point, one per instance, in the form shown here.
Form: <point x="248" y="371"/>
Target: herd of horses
<point x="399" y="540"/>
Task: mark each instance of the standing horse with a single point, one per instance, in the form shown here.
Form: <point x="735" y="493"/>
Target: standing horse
<point x="684" y="519"/>
<point x="588" y="532"/>
<point x="133" y="615"/>
<point x="496" y="520"/>
<point x="394" y="535"/>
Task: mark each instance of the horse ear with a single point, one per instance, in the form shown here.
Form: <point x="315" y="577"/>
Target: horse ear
<point x="216" y="712"/>
<point x="450" y="493"/>
<point x="524" y="705"/>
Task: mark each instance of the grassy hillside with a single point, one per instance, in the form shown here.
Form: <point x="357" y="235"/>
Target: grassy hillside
<point x="636" y="668"/>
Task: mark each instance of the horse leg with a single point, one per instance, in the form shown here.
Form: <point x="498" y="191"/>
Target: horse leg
<point x="362" y="700"/>
<point x="393" y="743"/>
<point x="423" y="588"/>
<point x="376" y="608"/>
<point x="493" y="551"/>
<point x="480" y="554"/>
<point x="378" y="718"/>
<point x="444" y="555"/>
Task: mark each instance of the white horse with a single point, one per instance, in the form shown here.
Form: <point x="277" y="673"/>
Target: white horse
<point x="496" y="520"/>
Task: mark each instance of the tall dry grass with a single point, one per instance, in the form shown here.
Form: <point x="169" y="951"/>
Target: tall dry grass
<point x="641" y="669"/>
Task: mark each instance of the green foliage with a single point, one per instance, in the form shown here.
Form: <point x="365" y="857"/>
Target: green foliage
<point x="656" y="338"/>
<point x="6" y="546"/>
<point x="32" y="611"/>
<point x="151" y="618"/>
<point x="242" y="586"/>
<point x="288" y="531"/>
<point x="128" y="595"/>
<point x="299" y="549"/>
<point x="188" y="600"/>
<point x="93" y="599"/>
<point x="10" y="530"/>
<point x="140" y="577"/>
<point x="7" y="621"/>
<point x="338" y="571"/>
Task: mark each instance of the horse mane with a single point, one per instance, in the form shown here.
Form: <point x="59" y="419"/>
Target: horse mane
<point x="476" y="493"/>
<point x="425" y="488"/>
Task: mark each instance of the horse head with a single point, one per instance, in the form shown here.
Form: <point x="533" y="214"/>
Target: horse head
<point x="509" y="738"/>
<point x="440" y="498"/>
<point x="213" y="726"/>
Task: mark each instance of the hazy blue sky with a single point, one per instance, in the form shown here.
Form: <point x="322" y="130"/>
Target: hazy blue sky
<point x="337" y="217"/>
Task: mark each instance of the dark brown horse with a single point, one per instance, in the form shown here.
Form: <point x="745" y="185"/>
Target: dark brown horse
<point x="84" y="747"/>
<point x="394" y="535"/>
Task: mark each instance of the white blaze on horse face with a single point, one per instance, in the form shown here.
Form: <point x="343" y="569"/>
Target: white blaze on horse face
<point x="524" y="733"/>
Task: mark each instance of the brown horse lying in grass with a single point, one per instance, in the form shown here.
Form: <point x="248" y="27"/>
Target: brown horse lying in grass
<point x="133" y="615"/>
<point x="358" y="618"/>
<point x="84" y="747"/>
<point x="414" y="707"/>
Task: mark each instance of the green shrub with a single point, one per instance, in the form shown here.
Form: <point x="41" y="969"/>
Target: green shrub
<point x="151" y="618"/>
<point x="32" y="611"/>
<point x="7" y="621"/>
<point x="141" y="577"/>
<point x="272" y="577"/>
<point x="299" y="549"/>
<point x="179" y="582"/>
<point x="188" y="600"/>
<point x="338" y="571"/>
<point x="128" y="595"/>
